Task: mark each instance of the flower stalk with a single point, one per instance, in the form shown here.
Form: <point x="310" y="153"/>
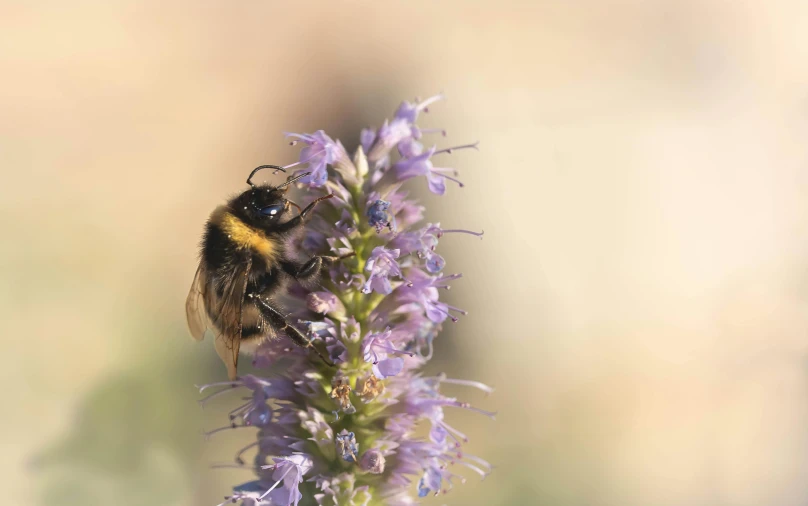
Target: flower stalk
<point x="349" y="435"/>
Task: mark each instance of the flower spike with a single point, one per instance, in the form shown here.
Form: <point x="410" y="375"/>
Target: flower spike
<point x="371" y="429"/>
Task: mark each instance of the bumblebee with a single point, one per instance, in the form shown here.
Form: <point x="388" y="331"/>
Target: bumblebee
<point x="244" y="266"/>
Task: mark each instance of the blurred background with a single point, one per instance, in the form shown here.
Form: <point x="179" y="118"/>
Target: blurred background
<point x="638" y="301"/>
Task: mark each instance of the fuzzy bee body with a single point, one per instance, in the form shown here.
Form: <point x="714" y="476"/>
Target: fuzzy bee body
<point x="244" y="264"/>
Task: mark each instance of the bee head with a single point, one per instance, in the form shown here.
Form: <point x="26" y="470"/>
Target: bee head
<point x="263" y="205"/>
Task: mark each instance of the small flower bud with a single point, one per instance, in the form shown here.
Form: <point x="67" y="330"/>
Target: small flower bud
<point x="360" y="160"/>
<point x="351" y="331"/>
<point x="372" y="462"/>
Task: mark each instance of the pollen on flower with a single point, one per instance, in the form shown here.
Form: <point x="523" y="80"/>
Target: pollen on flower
<point x="341" y="392"/>
<point x="371" y="387"/>
<point x="376" y="309"/>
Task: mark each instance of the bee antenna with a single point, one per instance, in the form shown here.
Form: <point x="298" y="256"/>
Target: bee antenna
<point x="299" y="176"/>
<point x="263" y="167"/>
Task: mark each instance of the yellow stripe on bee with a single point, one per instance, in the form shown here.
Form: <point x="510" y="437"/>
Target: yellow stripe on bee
<point x="249" y="238"/>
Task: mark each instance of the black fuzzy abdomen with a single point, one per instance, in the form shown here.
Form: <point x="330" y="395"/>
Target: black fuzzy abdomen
<point x="217" y="249"/>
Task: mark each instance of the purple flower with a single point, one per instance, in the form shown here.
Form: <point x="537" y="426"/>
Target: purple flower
<point x="389" y="135"/>
<point x="313" y="421"/>
<point x="401" y="129"/>
<point x="340" y="245"/>
<point x="257" y="413"/>
<point x="423" y="243"/>
<point x="324" y="303"/>
<point x="326" y="332"/>
<point x="346" y="446"/>
<point x="408" y="111"/>
<point x="319" y="330"/>
<point x="346" y="224"/>
<point x="381" y="265"/>
<point x="378" y="350"/>
<point x="430" y="481"/>
<point x="423" y="292"/>
<point x="380" y="217"/>
<point x="420" y="164"/>
<point x="366" y="138"/>
<point x="337" y="352"/>
<point x="406" y="212"/>
<point x="370" y="429"/>
<point x="289" y="472"/>
<point x="320" y="151"/>
<point x="423" y="401"/>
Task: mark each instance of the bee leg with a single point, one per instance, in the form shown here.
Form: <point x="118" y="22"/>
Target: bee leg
<point x="298" y="220"/>
<point x="311" y="269"/>
<point x="310" y="207"/>
<point x="295" y="205"/>
<point x="279" y="321"/>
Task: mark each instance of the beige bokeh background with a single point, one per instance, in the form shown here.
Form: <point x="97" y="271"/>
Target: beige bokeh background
<point x="639" y="299"/>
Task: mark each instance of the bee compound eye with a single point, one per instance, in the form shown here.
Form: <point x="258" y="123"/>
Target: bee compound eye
<point x="272" y="211"/>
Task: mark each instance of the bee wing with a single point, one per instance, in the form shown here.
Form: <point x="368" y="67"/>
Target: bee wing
<point x="195" y="311"/>
<point x="227" y="318"/>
